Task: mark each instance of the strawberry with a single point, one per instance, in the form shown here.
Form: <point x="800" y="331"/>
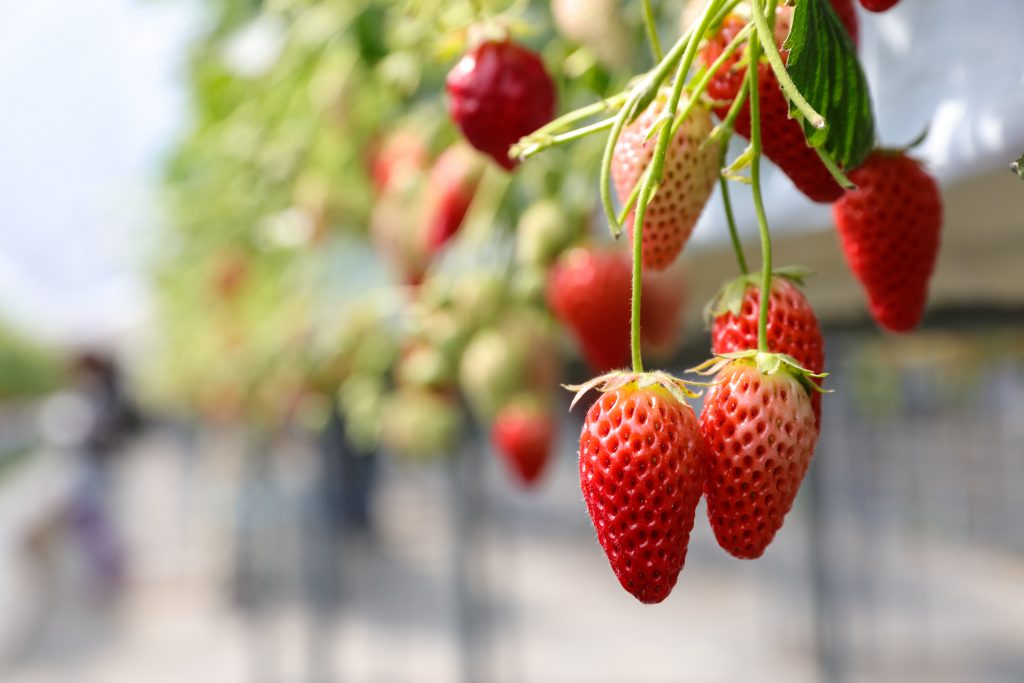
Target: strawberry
<point x="661" y="306"/>
<point x="396" y="230"/>
<point x="792" y="326"/>
<point x="640" y="460"/>
<point x="783" y="140"/>
<point x="401" y="155"/>
<point x="878" y="5"/>
<point x="760" y="432"/>
<point x="523" y="434"/>
<point x="590" y="290"/>
<point x="596" y="24"/>
<point x="691" y="171"/>
<point x="499" y="92"/>
<point x="450" y="189"/>
<point x="543" y="232"/>
<point x="889" y="228"/>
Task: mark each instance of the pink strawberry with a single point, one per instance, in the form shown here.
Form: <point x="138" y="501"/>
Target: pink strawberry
<point x="889" y="227"/>
<point x="690" y="174"/>
<point x="760" y="431"/>
<point x="498" y="93"/>
<point x="641" y="456"/>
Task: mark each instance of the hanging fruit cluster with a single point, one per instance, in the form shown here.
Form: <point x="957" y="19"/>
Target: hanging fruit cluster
<point x="768" y="74"/>
<point x="429" y="140"/>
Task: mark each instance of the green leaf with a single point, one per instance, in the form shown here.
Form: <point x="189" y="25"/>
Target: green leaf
<point x="1018" y="167"/>
<point x="824" y="67"/>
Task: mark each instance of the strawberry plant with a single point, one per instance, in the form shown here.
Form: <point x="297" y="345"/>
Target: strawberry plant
<point x="340" y="231"/>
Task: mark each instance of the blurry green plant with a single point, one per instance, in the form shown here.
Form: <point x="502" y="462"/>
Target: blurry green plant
<point x="27" y="369"/>
<point x="271" y="192"/>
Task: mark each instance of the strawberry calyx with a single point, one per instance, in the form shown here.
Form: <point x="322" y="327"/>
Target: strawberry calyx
<point x="618" y="379"/>
<point x="768" y="364"/>
<point x="729" y="298"/>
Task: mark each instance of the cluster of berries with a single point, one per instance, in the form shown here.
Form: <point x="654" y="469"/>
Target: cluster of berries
<point x="645" y="457"/>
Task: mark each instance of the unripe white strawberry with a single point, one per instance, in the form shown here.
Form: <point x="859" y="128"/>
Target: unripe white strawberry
<point x="689" y="177"/>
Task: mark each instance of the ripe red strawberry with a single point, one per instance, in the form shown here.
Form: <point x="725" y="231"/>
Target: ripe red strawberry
<point x="450" y="189"/>
<point x="878" y="5"/>
<point x="641" y="455"/>
<point x="792" y="326"/>
<point x="760" y="434"/>
<point x="782" y="138"/>
<point x="889" y="228"/>
<point x="499" y="92"/>
<point x="690" y="174"/>
<point x="589" y="290"/>
<point x="524" y="434"/>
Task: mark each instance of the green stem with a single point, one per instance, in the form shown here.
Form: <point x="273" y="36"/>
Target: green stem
<point x="566" y="120"/>
<point x="755" y="179"/>
<point x="539" y="146"/>
<point x="646" y="89"/>
<point x="638" y="258"/>
<point x="606" y="160"/>
<point x="723" y="131"/>
<point x="652" y="31"/>
<point x="767" y="39"/>
<point x="653" y="179"/>
<point x="834" y="170"/>
<point x="734" y="234"/>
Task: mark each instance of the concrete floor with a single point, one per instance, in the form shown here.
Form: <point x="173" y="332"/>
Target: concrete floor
<point x="546" y="606"/>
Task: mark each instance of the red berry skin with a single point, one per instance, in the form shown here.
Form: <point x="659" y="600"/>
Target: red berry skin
<point x="889" y="230"/>
<point x="524" y="438"/>
<point x="760" y="435"/>
<point x="497" y="93"/>
<point x="400" y="155"/>
<point x="793" y="329"/>
<point x="641" y="455"/>
<point x="590" y="291"/>
<point x="878" y="5"/>
<point x="450" y="190"/>
<point x="782" y="138"/>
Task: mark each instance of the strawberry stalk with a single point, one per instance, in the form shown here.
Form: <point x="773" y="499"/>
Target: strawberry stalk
<point x="755" y="174"/>
<point x="734" y="235"/>
<point x="766" y="36"/>
<point x="657" y="167"/>
<point x="652" y="31"/>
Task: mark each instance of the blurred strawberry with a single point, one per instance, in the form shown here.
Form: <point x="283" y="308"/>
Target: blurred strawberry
<point x="543" y="232"/>
<point x="396" y="230"/>
<point x="597" y="25"/>
<point x="418" y="424"/>
<point x="590" y="292"/>
<point x="229" y="273"/>
<point x="450" y="189"/>
<point x="401" y="155"/>
<point x="523" y="432"/>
